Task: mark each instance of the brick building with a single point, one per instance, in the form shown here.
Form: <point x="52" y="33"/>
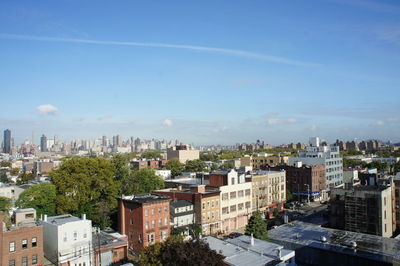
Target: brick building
<point x="304" y="181"/>
<point x="206" y="203"/>
<point x="144" y="218"/>
<point x="21" y="245"/>
<point x="155" y="164"/>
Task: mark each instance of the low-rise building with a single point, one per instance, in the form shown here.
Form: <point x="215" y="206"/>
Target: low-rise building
<point x="67" y="240"/>
<point x="245" y="250"/>
<point x="113" y="248"/>
<point x="183" y="153"/>
<point x="182" y="215"/>
<point x="144" y="218"/>
<point x="21" y="244"/>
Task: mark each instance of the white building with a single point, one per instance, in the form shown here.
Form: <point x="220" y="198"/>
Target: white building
<point x="68" y="240"/>
<point x="183" y="153"/>
<point x="322" y="155"/>
<point x="236" y="199"/>
<point x="165" y="174"/>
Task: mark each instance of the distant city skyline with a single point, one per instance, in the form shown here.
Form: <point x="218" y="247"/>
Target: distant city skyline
<point x="202" y="72"/>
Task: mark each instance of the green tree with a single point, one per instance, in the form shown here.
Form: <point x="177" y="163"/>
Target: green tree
<point x="86" y="185"/>
<point x="151" y="155"/>
<point x="175" y="166"/>
<point x="24" y="178"/>
<point x="143" y="181"/>
<point x="5" y="164"/>
<point x="5" y="204"/>
<point x="122" y="171"/>
<point x="226" y="166"/>
<point x="41" y="197"/>
<point x="257" y="227"/>
<point x="195" y="166"/>
<point x="14" y="171"/>
<point x="4" y="178"/>
<point x="396" y="167"/>
<point x="175" y="251"/>
<point x="289" y="195"/>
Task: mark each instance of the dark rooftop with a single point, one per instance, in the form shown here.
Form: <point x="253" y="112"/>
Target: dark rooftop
<point x="146" y="197"/>
<point x="180" y="203"/>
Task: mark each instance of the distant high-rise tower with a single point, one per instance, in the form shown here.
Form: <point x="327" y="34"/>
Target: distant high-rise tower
<point x="7" y="141"/>
<point x="104" y="141"/>
<point x="43" y="143"/>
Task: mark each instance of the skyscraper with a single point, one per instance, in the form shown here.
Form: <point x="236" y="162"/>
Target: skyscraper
<point x="43" y="143"/>
<point x="7" y="141"/>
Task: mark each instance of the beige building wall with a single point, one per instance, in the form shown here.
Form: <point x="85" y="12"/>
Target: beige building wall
<point x="210" y="214"/>
<point x="183" y="155"/>
<point x="269" y="187"/>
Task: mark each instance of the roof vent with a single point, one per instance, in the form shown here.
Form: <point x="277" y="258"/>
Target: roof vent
<point x="323" y="239"/>
<point x="353" y="244"/>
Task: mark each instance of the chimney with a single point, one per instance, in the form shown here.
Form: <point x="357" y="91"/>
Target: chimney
<point x="252" y="240"/>
<point x="45" y="218"/>
<point x="84" y="216"/>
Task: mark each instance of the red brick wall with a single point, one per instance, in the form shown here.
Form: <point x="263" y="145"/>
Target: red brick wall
<point x="17" y="235"/>
<point x="218" y="180"/>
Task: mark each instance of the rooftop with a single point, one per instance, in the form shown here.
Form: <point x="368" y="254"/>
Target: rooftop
<point x="62" y="219"/>
<point x="180" y="203"/>
<point x="145" y="197"/>
<point x="25" y="210"/>
<point x="299" y="234"/>
<point x="108" y="240"/>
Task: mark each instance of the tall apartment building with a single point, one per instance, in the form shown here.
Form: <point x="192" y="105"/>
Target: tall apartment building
<point x="21" y="244"/>
<point x="183" y="153"/>
<point x="7" y="141"/>
<point x="329" y="156"/>
<point x="68" y="240"/>
<point x="306" y="182"/>
<point x="144" y="218"/>
<point x="364" y="208"/>
<point x="236" y="201"/>
<point x="43" y="143"/>
<point x="206" y="201"/>
<point x="268" y="191"/>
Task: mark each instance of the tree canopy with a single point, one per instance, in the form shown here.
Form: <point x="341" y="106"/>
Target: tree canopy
<point x="175" y="251"/>
<point x="175" y="166"/>
<point x="5" y="204"/>
<point x="257" y="227"/>
<point x="142" y="181"/>
<point x="41" y="197"/>
<point x="86" y="185"/>
<point x="195" y="166"/>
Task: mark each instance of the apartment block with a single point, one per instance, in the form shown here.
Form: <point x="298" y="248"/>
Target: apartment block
<point x="68" y="240"/>
<point x="144" y="218"/>
<point x="21" y="244"/>
<point x="206" y="201"/>
<point x="364" y="208"/>
<point x="183" y="153"/>
<point x="268" y="191"/>
<point x="236" y="199"/>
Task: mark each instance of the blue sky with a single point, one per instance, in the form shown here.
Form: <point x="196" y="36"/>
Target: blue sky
<point x="204" y="72"/>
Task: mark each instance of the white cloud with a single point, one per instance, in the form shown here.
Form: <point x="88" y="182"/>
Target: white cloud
<point x="380" y="123"/>
<point x="279" y="121"/>
<point x="47" y="109"/>
<point x="167" y="122"/>
<point x="313" y="127"/>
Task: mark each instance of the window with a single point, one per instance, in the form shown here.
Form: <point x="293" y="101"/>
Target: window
<point x="165" y="221"/>
<point x="153" y="224"/>
<point x="216" y="203"/>
<point x="233" y="180"/>
<point x="233" y="195"/>
<point x="247" y="192"/>
<point x="65" y="236"/>
<point x="152" y="211"/>
<point x="248" y="203"/>
<point x="240" y="206"/>
<point x="75" y="235"/>
<point x="11" y="263"/>
<point x="24" y="244"/>
<point x="163" y="235"/>
<point x="24" y="261"/>
<point x="384" y="214"/>
<point x="384" y="201"/>
<point x="150" y="238"/>
<point x="84" y="233"/>
<point x="204" y="205"/>
<point x="34" y="242"/>
<point x="208" y="204"/>
<point x="146" y="212"/>
<point x="165" y="209"/>
<point x="147" y="224"/>
<point x="224" y="196"/>
<point x="225" y="210"/>
<point x="29" y="216"/>
<point x="212" y="215"/>
<point x="212" y="204"/>
<point x="240" y="193"/>
<point x="12" y="247"/>
<point x="130" y="221"/>
<point x="140" y="238"/>
<point x="233" y="208"/>
<point x="159" y="210"/>
<point x="159" y="222"/>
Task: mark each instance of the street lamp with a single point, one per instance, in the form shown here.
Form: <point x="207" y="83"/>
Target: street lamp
<point x="308" y="193"/>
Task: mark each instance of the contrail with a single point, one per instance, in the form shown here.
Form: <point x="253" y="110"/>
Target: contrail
<point x="240" y="53"/>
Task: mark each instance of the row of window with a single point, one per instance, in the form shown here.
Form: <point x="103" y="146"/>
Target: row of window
<point x="210" y="203"/>
<point x="74" y="235"/>
<point x="24" y="261"/>
<point x="153" y="223"/>
<point x="24" y="244"/>
<point x="235" y="207"/>
<point x="210" y="215"/>
<point x="235" y="194"/>
<point x="146" y="211"/>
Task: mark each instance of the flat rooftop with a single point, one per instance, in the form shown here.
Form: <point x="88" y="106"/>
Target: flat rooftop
<point x="62" y="219"/>
<point x="299" y="234"/>
<point x="25" y="210"/>
<point x="146" y="197"/>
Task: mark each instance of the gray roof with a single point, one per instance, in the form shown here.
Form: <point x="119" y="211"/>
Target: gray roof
<point x="62" y="219"/>
<point x="180" y="203"/>
<point x="299" y="234"/>
<point x="108" y="240"/>
<point x="146" y="197"/>
<point x="25" y="210"/>
<point x="239" y="255"/>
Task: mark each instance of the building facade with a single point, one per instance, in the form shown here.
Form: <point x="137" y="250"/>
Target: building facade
<point x="236" y="201"/>
<point x="7" y="141"/>
<point x="183" y="153"/>
<point x="144" y="218"/>
<point x="182" y="215"/>
<point x="328" y="156"/>
<point x="21" y="244"/>
<point x="68" y="240"/>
